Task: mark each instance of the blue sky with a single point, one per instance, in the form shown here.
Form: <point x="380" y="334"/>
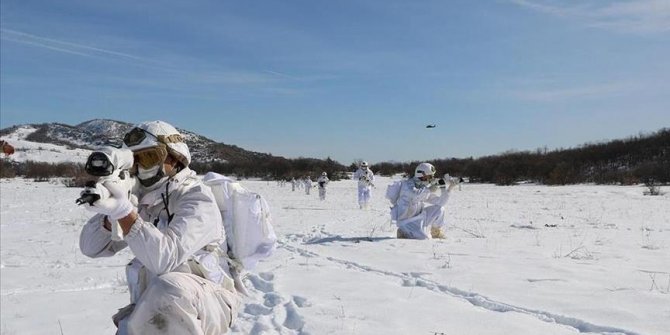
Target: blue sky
<point x="345" y="79"/>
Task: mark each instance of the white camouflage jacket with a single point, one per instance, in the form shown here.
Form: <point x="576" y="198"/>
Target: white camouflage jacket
<point x="322" y="181"/>
<point x="188" y="240"/>
<point x="409" y="200"/>
<point x="364" y="177"/>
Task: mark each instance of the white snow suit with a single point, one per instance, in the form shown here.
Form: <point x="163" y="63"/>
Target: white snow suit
<point x="365" y="178"/>
<point x="308" y="185"/>
<point x="322" y="181"/>
<point x="179" y="282"/>
<point x="410" y="212"/>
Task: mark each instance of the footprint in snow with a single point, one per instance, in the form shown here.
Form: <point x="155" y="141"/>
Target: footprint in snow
<point x="261" y="284"/>
<point x="272" y="313"/>
<point x="272" y="299"/>
<point x="301" y="302"/>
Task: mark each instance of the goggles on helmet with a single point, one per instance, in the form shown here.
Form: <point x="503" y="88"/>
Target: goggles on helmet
<point x="137" y="135"/>
<point x="427" y="177"/>
<point x="150" y="157"/>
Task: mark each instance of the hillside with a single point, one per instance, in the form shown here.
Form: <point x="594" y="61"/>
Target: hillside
<point x="93" y="133"/>
<point x="50" y="149"/>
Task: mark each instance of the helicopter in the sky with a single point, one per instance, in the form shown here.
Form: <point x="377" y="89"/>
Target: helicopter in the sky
<point x="431" y="126"/>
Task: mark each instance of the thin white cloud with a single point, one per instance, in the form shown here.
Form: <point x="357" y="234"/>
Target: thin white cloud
<point x="62" y="46"/>
<point x="640" y="16"/>
<point x="41" y="45"/>
<point x="209" y="76"/>
<point x="179" y="70"/>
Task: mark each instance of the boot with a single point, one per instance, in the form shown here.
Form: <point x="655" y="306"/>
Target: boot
<point x="436" y="232"/>
<point x="401" y="234"/>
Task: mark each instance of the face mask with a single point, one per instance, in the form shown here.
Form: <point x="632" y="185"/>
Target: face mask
<point x="421" y="183"/>
<point x="150" y="176"/>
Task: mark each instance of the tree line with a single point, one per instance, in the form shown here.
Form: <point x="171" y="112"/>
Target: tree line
<point x="639" y="159"/>
<point x="274" y="168"/>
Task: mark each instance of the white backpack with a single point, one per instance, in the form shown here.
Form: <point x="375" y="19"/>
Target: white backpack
<point x="246" y="219"/>
<point x="393" y="191"/>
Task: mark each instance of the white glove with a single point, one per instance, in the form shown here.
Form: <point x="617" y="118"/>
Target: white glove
<point x="113" y="202"/>
<point x="451" y="183"/>
<point x="98" y="190"/>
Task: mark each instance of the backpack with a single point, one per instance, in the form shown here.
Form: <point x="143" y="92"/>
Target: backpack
<point x="393" y="191"/>
<point x="246" y="220"/>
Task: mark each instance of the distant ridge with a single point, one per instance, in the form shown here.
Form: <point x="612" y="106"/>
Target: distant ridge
<point x="97" y="132"/>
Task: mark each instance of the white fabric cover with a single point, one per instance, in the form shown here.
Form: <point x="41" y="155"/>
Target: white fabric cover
<point x="246" y="217"/>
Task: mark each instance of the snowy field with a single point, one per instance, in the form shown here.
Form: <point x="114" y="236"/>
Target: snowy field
<point x="517" y="260"/>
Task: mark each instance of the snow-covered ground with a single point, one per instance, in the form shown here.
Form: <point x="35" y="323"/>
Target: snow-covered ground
<point x="517" y="260"/>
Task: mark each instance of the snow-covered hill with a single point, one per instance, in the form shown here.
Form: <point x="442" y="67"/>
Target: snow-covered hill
<point x="27" y="150"/>
<point x="56" y="142"/>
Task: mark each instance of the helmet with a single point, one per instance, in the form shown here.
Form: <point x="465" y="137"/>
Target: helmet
<point x="324" y="173"/>
<point x="424" y="169"/>
<point x="364" y="164"/>
<point x="160" y="134"/>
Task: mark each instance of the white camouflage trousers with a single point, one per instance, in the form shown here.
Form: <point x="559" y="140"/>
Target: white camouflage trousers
<point x="182" y="304"/>
<point x="418" y="227"/>
<point x="363" y="196"/>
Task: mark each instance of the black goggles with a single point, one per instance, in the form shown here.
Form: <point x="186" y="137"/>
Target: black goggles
<point x="137" y="135"/>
